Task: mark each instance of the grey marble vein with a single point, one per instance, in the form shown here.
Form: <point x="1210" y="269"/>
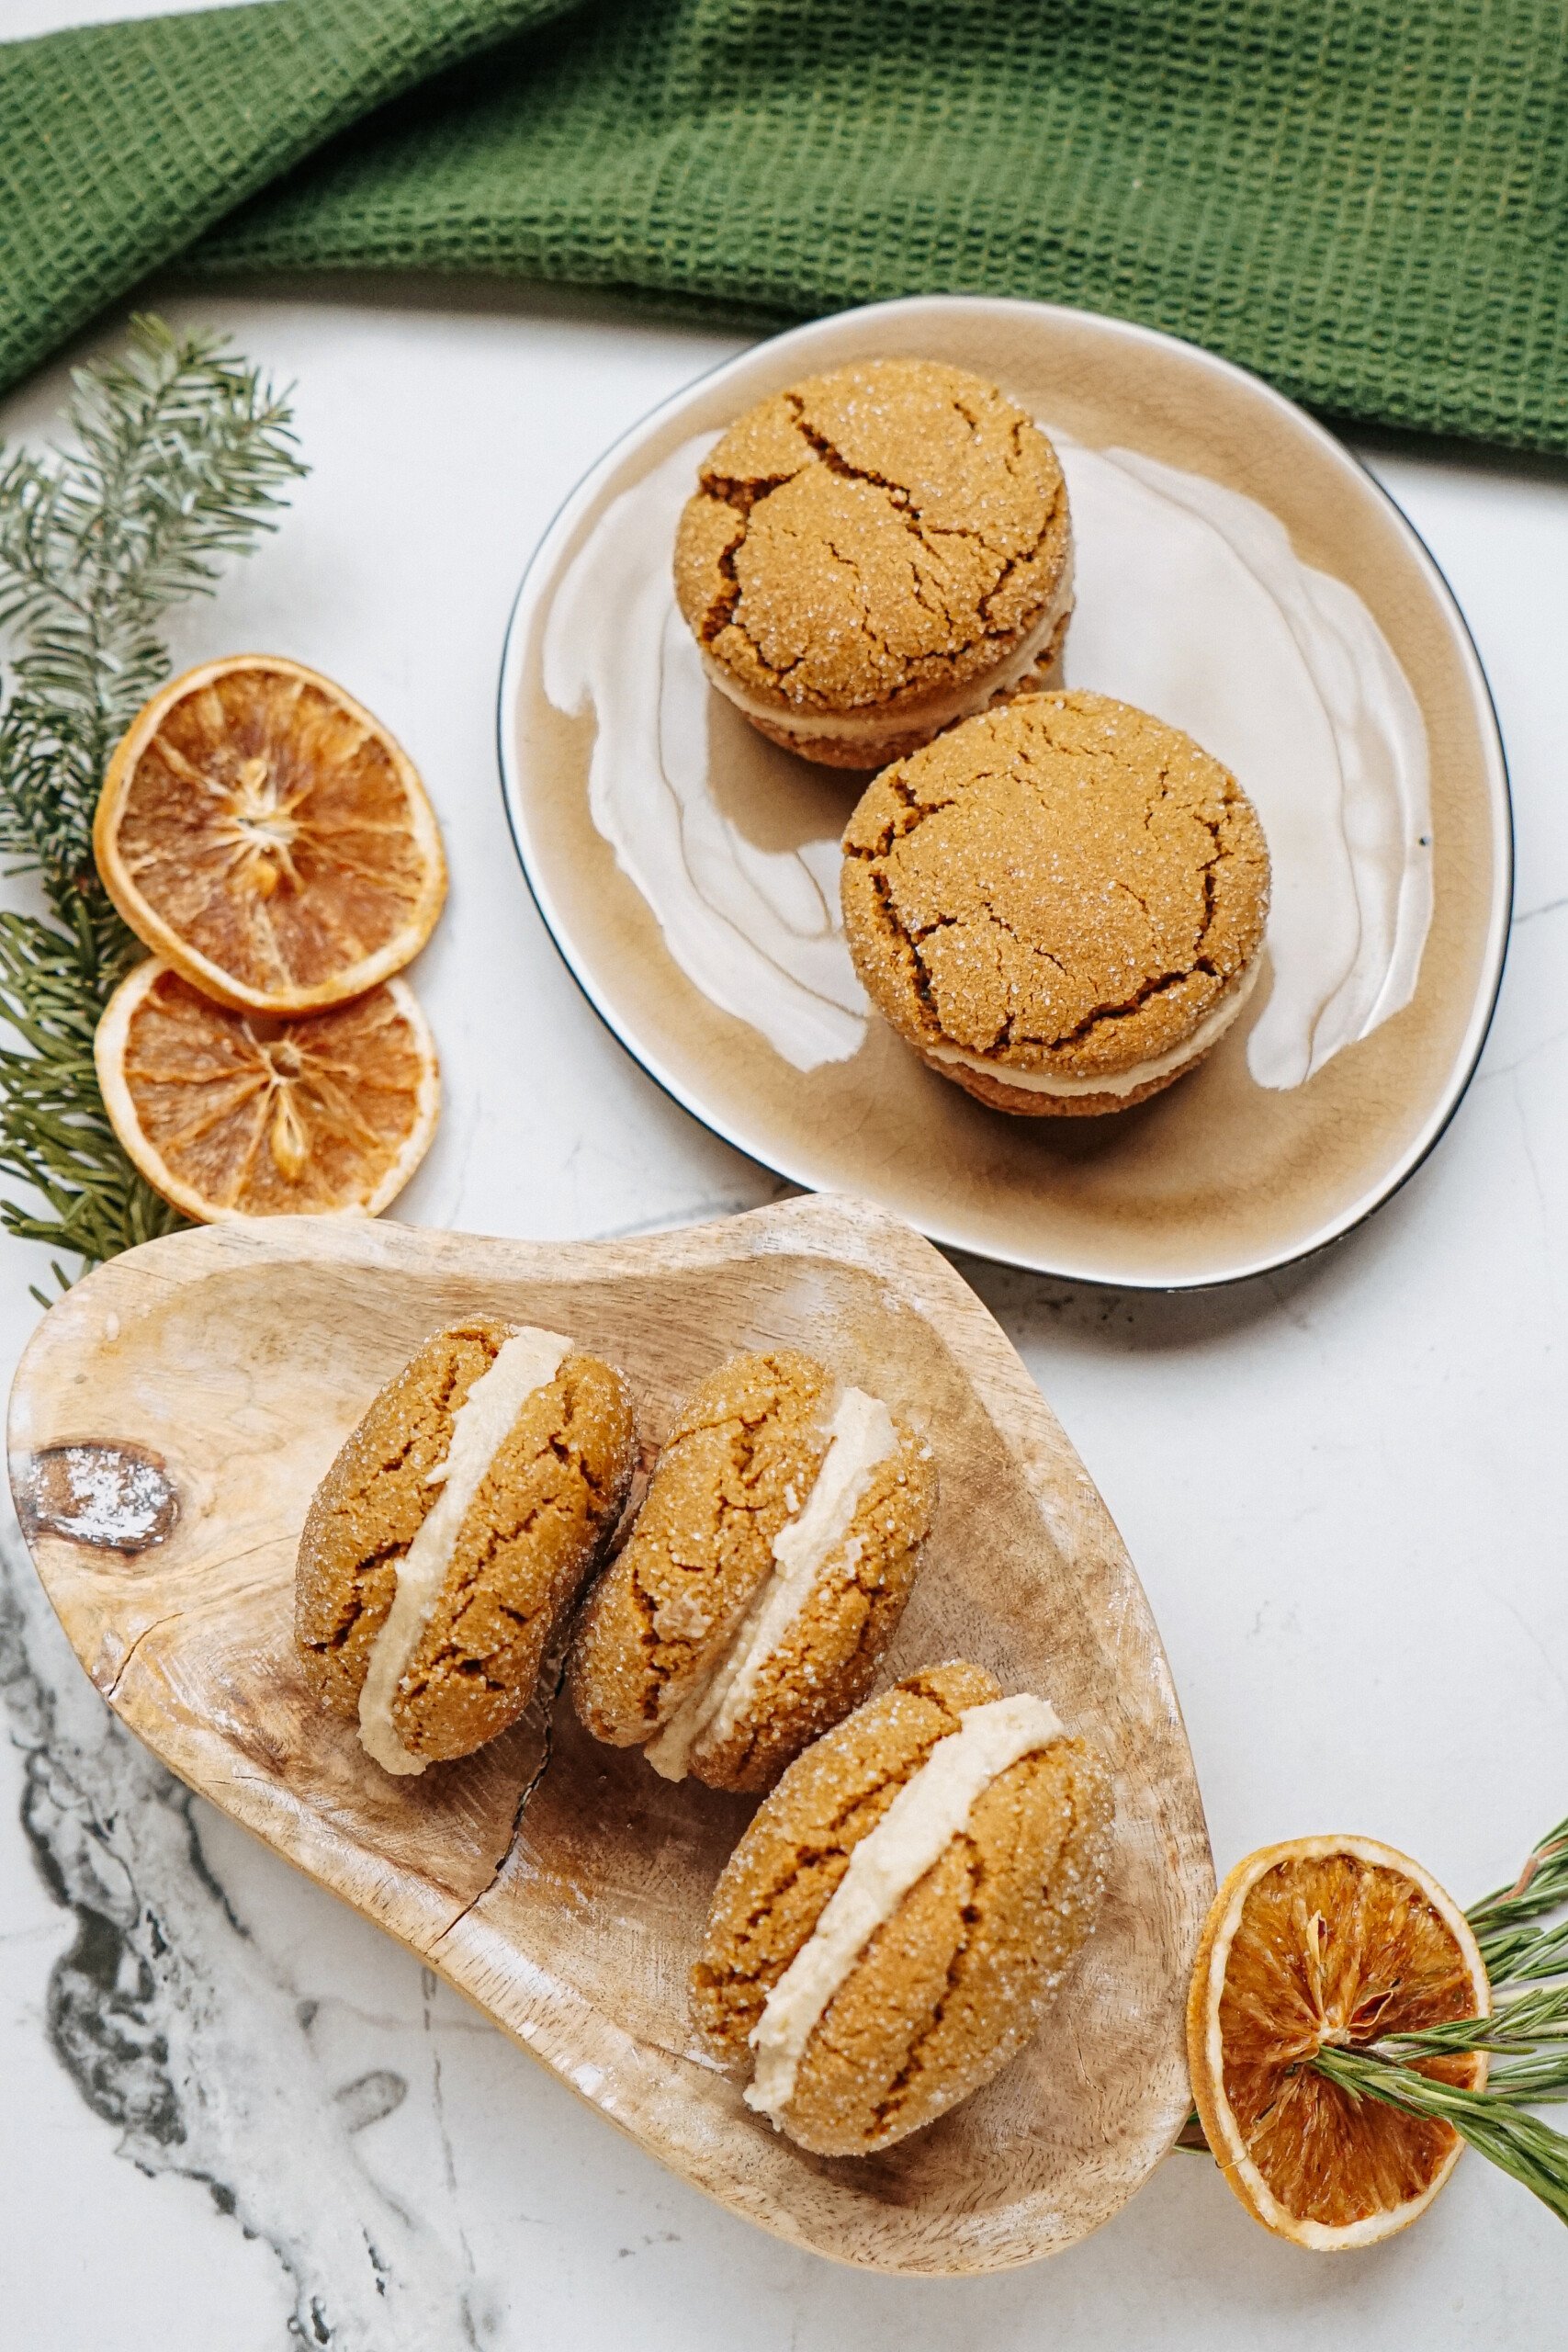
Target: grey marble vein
<point x="180" y="2032"/>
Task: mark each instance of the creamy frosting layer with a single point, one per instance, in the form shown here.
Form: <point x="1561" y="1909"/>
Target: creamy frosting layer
<point x="1209" y="1030"/>
<point x="933" y="712"/>
<point x="860" y="1435"/>
<point x="929" y="1811"/>
<point x="529" y="1360"/>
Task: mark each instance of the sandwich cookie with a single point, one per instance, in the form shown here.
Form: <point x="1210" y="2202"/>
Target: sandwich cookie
<point x="872" y="555"/>
<point x="892" y="1926"/>
<point x="763" y="1579"/>
<point x="1060" y="905"/>
<point x="452" y="1532"/>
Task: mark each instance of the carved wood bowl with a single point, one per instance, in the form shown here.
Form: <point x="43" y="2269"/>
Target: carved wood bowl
<point x="168" y="1424"/>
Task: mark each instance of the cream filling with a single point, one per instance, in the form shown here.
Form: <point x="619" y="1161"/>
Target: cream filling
<point x="940" y="710"/>
<point x="481" y="1427"/>
<point x="860" y="1435"/>
<point x="1209" y="1030"/>
<point x="929" y="1811"/>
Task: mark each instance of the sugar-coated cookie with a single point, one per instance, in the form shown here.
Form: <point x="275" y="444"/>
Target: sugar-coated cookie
<point x="892" y="1926"/>
<point x="455" y="1526"/>
<point x="763" y="1579"/>
<point x="1059" y="904"/>
<point x="875" y="553"/>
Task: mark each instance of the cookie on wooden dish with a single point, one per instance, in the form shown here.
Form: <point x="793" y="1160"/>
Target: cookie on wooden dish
<point x="875" y="553"/>
<point x="893" y="1926"/>
<point x="763" y="1579"/>
<point x="1060" y="905"/>
<point x="455" y="1527"/>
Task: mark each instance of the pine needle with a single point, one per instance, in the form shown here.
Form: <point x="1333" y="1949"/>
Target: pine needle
<point x="180" y="456"/>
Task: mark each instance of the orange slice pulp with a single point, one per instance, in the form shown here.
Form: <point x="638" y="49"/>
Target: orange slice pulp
<point x="232" y="1114"/>
<point x="266" y="836"/>
<point x="1327" y="1941"/>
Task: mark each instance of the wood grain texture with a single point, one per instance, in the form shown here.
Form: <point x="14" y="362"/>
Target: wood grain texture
<point x="562" y="1885"/>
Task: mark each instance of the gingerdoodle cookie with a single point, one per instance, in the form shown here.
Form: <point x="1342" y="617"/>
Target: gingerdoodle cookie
<point x="874" y="554"/>
<point x="764" y="1578"/>
<point x="892" y="1924"/>
<point x="1060" y="904"/>
<point x="455" y="1527"/>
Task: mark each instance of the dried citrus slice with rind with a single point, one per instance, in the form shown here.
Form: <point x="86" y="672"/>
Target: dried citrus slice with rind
<point x="1320" y="1940"/>
<point x="264" y="834"/>
<point x="232" y="1114"/>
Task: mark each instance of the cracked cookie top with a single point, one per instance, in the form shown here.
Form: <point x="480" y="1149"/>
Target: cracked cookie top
<point x="1065" y="885"/>
<point x="743" y="1452"/>
<point x="954" y="1980"/>
<point x="871" y="536"/>
<point x="551" y="1493"/>
<point x="673" y="1610"/>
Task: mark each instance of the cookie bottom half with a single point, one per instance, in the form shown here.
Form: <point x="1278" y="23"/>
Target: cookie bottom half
<point x="1029" y="1103"/>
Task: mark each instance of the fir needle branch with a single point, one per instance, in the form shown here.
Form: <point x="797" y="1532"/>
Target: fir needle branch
<point x="183" y="454"/>
<point x="180" y="458"/>
<point x="55" y="1135"/>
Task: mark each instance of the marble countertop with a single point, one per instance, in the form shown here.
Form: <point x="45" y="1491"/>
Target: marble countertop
<point x="234" y="2115"/>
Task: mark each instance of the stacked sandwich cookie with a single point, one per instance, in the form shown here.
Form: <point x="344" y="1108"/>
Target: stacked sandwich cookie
<point x="874" y="553"/>
<point x="1057" y="899"/>
<point x="452" y="1532"/>
<point x="1060" y="905"/>
<point x="764" y="1578"/>
<point x="892" y="1924"/>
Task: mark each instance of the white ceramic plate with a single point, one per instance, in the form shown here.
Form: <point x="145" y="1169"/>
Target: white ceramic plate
<point x="1239" y="573"/>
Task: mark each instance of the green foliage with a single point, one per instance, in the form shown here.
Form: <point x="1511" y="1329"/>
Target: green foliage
<point x="1527" y="2033"/>
<point x="1527" y="2036"/>
<point x="1510" y="1944"/>
<point x="1517" y="2143"/>
<point x="179" y="459"/>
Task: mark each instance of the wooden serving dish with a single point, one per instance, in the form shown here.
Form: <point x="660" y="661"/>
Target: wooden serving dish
<point x="168" y="1423"/>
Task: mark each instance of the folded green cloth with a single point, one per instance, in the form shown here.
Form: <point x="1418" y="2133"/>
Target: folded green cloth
<point x="1367" y="201"/>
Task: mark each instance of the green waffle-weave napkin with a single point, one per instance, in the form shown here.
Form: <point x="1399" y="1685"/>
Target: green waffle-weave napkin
<point x="1367" y="201"/>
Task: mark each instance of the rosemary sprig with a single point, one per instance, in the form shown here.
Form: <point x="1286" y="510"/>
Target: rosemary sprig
<point x="1502" y="1919"/>
<point x="1530" y="2032"/>
<point x="180" y="456"/>
<point x="1519" y="2145"/>
<point x="1526" y="2034"/>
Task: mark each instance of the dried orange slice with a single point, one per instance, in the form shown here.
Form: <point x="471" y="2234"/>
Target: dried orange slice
<point x="231" y="1114"/>
<point x="266" y="835"/>
<point x="1320" y="1940"/>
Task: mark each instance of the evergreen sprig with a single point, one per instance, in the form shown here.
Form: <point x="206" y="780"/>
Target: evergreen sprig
<point x="1527" y="2036"/>
<point x="1527" y="2033"/>
<point x="1518" y="2143"/>
<point x="1510" y="1944"/>
<point x="180" y="456"/>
